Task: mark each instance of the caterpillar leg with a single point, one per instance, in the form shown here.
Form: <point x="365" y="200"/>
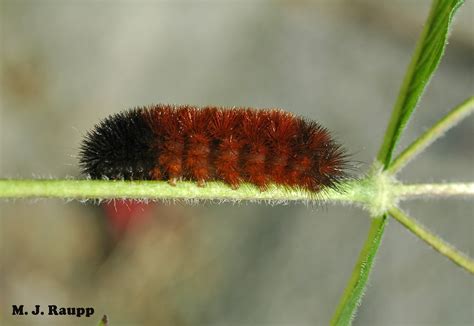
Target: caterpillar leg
<point x="172" y="181"/>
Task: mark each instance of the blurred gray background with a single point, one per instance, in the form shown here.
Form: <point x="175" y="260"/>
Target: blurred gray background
<point x="67" y="64"/>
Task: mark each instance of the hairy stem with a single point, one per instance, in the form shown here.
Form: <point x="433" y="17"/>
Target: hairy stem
<point x="363" y="191"/>
<point x="436" y="131"/>
<point x="104" y="189"/>
<point x="411" y="191"/>
<point x="434" y="241"/>
<point x="360" y="274"/>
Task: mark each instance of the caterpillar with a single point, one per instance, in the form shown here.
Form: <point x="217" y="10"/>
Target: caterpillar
<point x="232" y="145"/>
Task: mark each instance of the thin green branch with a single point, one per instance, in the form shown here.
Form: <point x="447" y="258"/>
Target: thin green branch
<point x="436" y="131"/>
<point x="364" y="191"/>
<point x="412" y="191"/>
<point x="354" y="291"/>
<point x="434" y="241"/>
<point x="104" y="189"/>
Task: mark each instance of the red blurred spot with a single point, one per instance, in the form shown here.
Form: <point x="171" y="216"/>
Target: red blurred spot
<point x="124" y="214"/>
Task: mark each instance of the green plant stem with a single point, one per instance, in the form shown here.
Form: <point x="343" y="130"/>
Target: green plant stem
<point x="434" y="241"/>
<point x="354" y="291"/>
<point x="103" y="189"/>
<point x="362" y="191"/>
<point x="412" y="191"/>
<point x="436" y="131"/>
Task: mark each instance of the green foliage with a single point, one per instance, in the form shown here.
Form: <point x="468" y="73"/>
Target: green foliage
<point x="428" y="53"/>
<point x="426" y="58"/>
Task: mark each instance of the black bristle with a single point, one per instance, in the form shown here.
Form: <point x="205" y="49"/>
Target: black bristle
<point x="119" y="147"/>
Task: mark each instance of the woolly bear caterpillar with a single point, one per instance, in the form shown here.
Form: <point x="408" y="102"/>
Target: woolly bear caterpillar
<point x="164" y="142"/>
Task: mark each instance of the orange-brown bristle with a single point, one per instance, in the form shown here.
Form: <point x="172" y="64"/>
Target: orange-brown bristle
<point x="237" y="145"/>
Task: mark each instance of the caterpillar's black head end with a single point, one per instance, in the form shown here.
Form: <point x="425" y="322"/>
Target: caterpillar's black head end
<point x="119" y="147"/>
